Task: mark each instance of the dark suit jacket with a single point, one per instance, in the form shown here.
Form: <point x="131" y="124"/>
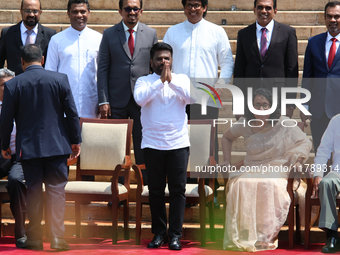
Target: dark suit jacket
<point x="321" y="81"/>
<point x="11" y="43"/>
<point x="117" y="70"/>
<point x="280" y="61"/>
<point x="37" y="100"/>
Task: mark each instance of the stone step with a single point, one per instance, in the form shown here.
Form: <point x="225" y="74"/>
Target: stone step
<point x="176" y="5"/>
<point x="105" y="17"/>
<point x="103" y="229"/>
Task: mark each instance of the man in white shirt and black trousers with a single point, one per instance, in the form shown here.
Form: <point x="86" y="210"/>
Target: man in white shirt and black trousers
<point x="74" y="52"/>
<point x="163" y="97"/>
<point x="200" y="47"/>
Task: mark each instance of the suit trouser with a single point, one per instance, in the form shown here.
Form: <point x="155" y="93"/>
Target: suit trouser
<point x="17" y="193"/>
<point x="53" y="172"/>
<point x="329" y="188"/>
<point x="171" y="164"/>
<point x="132" y="110"/>
<point x="318" y="127"/>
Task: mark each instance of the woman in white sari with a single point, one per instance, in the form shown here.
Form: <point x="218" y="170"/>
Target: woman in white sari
<point x="257" y="197"/>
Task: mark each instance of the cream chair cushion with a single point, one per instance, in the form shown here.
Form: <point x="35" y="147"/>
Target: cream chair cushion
<point x="191" y="190"/>
<point x="83" y="187"/>
<point x="103" y="146"/>
<point x="199" y="135"/>
<point x="3" y="184"/>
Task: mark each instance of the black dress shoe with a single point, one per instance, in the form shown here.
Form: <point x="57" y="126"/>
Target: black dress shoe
<point x="175" y="244"/>
<point x="59" y="244"/>
<point x="158" y="241"/>
<point x="332" y="245"/>
<point x="21" y="241"/>
<point x="31" y="244"/>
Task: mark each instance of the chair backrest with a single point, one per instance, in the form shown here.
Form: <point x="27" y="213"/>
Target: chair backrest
<point x="202" y="143"/>
<point x="106" y="143"/>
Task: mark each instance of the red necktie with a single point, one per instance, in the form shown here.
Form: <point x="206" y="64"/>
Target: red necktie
<point x="131" y="42"/>
<point x="332" y="52"/>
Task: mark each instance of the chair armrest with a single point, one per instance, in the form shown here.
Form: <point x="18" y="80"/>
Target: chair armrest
<point x="139" y="177"/>
<point x="309" y="181"/>
<point x="128" y="163"/>
<point x="71" y="161"/>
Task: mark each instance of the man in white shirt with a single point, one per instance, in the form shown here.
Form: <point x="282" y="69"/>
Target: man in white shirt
<point x="10" y="167"/>
<point x="327" y="188"/>
<point x="163" y="96"/>
<point x="74" y="52"/>
<point x="27" y="31"/>
<point x="200" y="47"/>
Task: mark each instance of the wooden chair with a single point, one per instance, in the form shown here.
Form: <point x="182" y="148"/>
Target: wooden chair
<point x="312" y="202"/>
<point x="105" y="150"/>
<point x="202" y="138"/>
<point x="293" y="198"/>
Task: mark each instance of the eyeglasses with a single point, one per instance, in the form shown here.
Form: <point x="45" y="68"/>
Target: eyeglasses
<point x="129" y="9"/>
<point x="28" y="11"/>
<point x="195" y="6"/>
<point x="264" y="106"/>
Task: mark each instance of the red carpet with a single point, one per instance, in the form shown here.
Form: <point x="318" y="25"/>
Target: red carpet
<point x="104" y="246"/>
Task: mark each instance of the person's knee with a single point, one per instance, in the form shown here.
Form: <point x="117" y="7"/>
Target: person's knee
<point x="326" y="184"/>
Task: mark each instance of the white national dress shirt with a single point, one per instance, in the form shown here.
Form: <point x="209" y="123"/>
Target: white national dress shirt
<point x="270" y="27"/>
<point x="199" y="49"/>
<point x="13" y="134"/>
<point x="163" y="116"/>
<point x="330" y="142"/>
<point x="23" y="30"/>
<point x="75" y="53"/>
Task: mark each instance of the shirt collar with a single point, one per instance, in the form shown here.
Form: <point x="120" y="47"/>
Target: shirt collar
<point x="78" y="32"/>
<point x="189" y="24"/>
<point x="126" y="28"/>
<point x="23" y="29"/>
<point x="158" y="76"/>
<point x="269" y="26"/>
<point x="329" y="37"/>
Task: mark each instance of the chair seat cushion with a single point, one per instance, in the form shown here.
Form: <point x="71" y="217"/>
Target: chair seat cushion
<point x="191" y="190"/>
<point x="82" y="187"/>
<point x="3" y="184"/>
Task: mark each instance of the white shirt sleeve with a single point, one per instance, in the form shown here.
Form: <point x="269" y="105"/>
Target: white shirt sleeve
<point x="325" y="149"/>
<point x="144" y="92"/>
<point x="52" y="58"/>
<point x="225" y="57"/>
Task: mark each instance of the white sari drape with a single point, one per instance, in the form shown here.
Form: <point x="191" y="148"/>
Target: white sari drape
<point x="258" y="202"/>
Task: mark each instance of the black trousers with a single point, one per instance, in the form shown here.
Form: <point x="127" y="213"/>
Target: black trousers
<point x="17" y="193"/>
<point x="132" y="111"/>
<point x="53" y="172"/>
<point x="171" y="164"/>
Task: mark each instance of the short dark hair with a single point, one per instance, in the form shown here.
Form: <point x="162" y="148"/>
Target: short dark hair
<point x="70" y="2"/>
<point x="31" y="53"/>
<point x="160" y="46"/>
<point x="331" y="4"/>
<point x="22" y="4"/>
<point x="267" y="94"/>
<point x="121" y="4"/>
<point x="274" y="2"/>
<point x="203" y="2"/>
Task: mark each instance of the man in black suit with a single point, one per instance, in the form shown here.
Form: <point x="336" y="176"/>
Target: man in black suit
<point x="267" y="51"/>
<point x="124" y="56"/>
<point x="38" y="100"/>
<point x="29" y="30"/>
